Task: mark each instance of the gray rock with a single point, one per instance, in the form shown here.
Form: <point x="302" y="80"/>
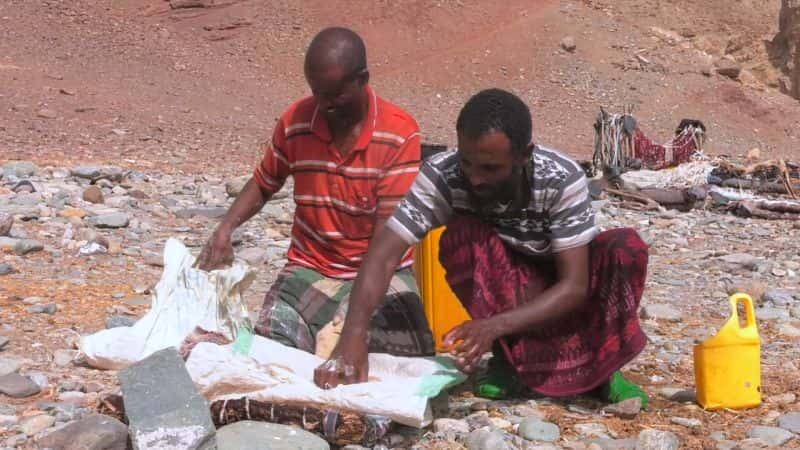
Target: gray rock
<point x="19" y="169"/>
<point x="8" y="365"/>
<point x="49" y="308"/>
<point x="771" y="435"/>
<point x="94" y="432"/>
<point x="110" y="220"/>
<point x="789" y="331"/>
<point x="254" y="256"/>
<point x="568" y="44"/>
<point x="614" y="444"/>
<point x="626" y="409"/>
<point x="234" y="187"/>
<point x="7" y="410"/>
<point x="250" y="435"/>
<point x="486" y="440"/>
<point x="120" y="321"/>
<point x="6" y="269"/>
<point x="8" y="420"/>
<point x="39" y="378"/>
<point x="163" y="406"/>
<point x="36" y="424"/>
<point x="728" y="68"/>
<point x="685" y="422"/>
<point x="7" y="244"/>
<point x="592" y="430"/>
<point x="745" y="260"/>
<point x="534" y="429"/>
<point x="26" y="246"/>
<point x="790" y="422"/>
<point x="445" y="425"/>
<point x="679" y="395"/>
<point x="16" y="440"/>
<point x="63" y="358"/>
<point x="657" y="440"/>
<point x="779" y="298"/>
<point x="795" y="312"/>
<point x="3" y="342"/>
<point x="6" y="223"/>
<point x="772" y="314"/>
<point x="210" y="213"/>
<point x="661" y="312"/>
<point x="111" y="173"/>
<point x="16" y="386"/>
<point x="725" y="444"/>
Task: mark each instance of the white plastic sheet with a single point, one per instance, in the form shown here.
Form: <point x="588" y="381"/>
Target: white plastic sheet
<point x="253" y="366"/>
<point x="184" y="298"/>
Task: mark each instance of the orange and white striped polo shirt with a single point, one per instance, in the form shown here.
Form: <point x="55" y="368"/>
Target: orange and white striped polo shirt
<point x="340" y="198"/>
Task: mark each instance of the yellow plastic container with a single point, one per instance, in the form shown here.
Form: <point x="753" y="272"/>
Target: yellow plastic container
<point x="727" y="367"/>
<point x="442" y="308"/>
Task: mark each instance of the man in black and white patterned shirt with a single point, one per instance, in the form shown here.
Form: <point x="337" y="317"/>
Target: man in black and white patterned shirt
<point x="552" y="297"/>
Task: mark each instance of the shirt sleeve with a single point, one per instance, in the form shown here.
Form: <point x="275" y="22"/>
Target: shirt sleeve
<point x="426" y="206"/>
<point x="399" y="174"/>
<point x="272" y="171"/>
<point x="571" y="215"/>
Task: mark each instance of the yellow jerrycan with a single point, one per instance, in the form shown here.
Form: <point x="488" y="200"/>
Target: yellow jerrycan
<point x="727" y="367"/>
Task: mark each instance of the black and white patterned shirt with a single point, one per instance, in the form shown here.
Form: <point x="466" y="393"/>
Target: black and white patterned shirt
<point x="558" y="217"/>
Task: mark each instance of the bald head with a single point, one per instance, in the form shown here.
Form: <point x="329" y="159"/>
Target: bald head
<point x="336" y="47"/>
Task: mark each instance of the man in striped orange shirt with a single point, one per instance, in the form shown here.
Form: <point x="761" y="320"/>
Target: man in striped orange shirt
<point x="353" y="156"/>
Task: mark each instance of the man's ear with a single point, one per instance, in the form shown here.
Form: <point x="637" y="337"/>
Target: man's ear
<point x="363" y="77"/>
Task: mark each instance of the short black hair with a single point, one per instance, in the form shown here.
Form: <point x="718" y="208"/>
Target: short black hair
<point x="337" y="46"/>
<point x="497" y="110"/>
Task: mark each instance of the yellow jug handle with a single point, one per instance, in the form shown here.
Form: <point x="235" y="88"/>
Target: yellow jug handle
<point x="748" y="307"/>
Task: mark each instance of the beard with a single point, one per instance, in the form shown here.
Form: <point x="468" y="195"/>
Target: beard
<point x="486" y="198"/>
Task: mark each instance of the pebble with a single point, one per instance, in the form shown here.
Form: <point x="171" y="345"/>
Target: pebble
<point x="592" y="430"/>
<point x="120" y="321"/>
<point x="18" y="386"/>
<point x="779" y="298"/>
<point x="626" y="409"/>
<point x="16" y="440"/>
<point x="685" y="422"/>
<point x="27" y="246"/>
<point x="679" y="395"/>
<point x="486" y="440"/>
<point x="568" y="44"/>
<point x="769" y="314"/>
<point x="93" y="194"/>
<point x="49" y="308"/>
<point x="790" y="422"/>
<point x="95" y="431"/>
<point x="771" y="435"/>
<point x="445" y="425"/>
<point x="534" y="429"/>
<point x="661" y="312"/>
<point x="3" y="342"/>
<point x="657" y="440"/>
<point x="36" y="424"/>
<point x="39" y="378"/>
<point x="110" y="220"/>
<point x="63" y="358"/>
<point x="6" y="269"/>
<point x="19" y="169"/>
<point x="500" y="423"/>
<point x="8" y="365"/>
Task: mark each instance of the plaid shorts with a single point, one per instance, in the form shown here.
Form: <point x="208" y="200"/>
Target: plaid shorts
<point x="302" y="301"/>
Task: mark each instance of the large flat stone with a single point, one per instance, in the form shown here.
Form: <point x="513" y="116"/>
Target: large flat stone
<point x="249" y="435"/>
<point x="164" y="409"/>
<point x="110" y="220"/>
<point x="94" y="432"/>
<point x="17" y="386"/>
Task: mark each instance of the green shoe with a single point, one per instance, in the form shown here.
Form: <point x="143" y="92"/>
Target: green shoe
<point x="500" y="380"/>
<point x="619" y="389"/>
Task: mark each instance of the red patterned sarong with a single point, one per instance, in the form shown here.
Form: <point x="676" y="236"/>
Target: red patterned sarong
<point x="574" y="354"/>
<point x="656" y="156"/>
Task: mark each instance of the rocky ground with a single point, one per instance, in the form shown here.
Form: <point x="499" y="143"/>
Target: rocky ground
<point x="84" y="250"/>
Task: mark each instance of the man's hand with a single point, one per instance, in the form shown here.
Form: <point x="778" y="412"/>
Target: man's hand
<point x="470" y="340"/>
<point x="348" y="363"/>
<point x="217" y="253"/>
